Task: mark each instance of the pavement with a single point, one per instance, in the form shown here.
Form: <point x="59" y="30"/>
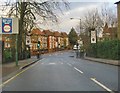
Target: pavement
<point x="62" y="71"/>
<point x="105" y="61"/>
<point x="10" y="69"/>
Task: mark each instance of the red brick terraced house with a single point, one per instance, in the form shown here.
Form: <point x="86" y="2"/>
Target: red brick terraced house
<point x="57" y="39"/>
<point x="65" y="40"/>
<point x="50" y="40"/>
<point x="37" y="35"/>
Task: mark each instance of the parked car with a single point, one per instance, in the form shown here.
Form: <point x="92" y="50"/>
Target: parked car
<point x="75" y="47"/>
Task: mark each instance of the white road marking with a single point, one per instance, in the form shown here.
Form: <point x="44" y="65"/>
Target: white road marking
<point x="78" y="70"/>
<point x="52" y="63"/>
<point x="100" y="84"/>
<point x="69" y="64"/>
<point x="61" y="63"/>
<point x="42" y="59"/>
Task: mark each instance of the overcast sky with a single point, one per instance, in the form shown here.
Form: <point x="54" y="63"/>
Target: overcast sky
<point x="78" y="8"/>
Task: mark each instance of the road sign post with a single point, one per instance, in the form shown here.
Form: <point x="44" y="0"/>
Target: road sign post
<point x="10" y="26"/>
<point x="38" y="46"/>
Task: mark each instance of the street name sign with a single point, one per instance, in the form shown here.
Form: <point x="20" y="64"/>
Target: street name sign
<point x="9" y="26"/>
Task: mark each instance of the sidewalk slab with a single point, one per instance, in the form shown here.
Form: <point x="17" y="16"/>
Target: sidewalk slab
<point x="105" y="61"/>
<point x="10" y="69"/>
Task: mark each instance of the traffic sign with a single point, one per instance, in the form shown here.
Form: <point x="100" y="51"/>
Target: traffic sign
<point x="93" y="36"/>
<point x="28" y="40"/>
<point x="8" y="25"/>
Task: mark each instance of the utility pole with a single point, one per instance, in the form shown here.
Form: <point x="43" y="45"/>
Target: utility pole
<point x="80" y="26"/>
<point x="16" y="39"/>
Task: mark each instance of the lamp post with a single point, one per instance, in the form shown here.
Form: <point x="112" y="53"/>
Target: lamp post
<point x="78" y="54"/>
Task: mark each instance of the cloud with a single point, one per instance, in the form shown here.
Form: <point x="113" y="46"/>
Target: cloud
<point x="77" y="12"/>
<point x="92" y="0"/>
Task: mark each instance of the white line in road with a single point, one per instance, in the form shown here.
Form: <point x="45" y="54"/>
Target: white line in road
<point x="78" y="70"/>
<point x="69" y="64"/>
<point x="61" y="63"/>
<point x="52" y="63"/>
<point x="103" y="86"/>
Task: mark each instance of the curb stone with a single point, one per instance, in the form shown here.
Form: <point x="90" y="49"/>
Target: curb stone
<point x="104" y="61"/>
<point x="25" y="66"/>
<point x="21" y="68"/>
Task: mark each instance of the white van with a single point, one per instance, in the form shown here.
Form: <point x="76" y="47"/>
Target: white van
<point x="75" y="47"/>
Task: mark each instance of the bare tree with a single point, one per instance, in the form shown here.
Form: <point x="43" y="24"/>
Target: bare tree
<point x="27" y="13"/>
<point x="92" y="21"/>
<point x="109" y="14"/>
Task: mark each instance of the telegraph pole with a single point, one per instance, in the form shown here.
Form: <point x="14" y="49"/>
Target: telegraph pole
<point x="16" y="40"/>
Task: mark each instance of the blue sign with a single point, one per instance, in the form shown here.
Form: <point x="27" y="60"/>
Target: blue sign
<point x="6" y="25"/>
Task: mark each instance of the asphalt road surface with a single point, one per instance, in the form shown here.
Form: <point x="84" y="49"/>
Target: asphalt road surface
<point x="61" y="71"/>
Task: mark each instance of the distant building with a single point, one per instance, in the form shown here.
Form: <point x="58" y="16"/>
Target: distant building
<point x="118" y="13"/>
<point x="65" y="41"/>
<point x="50" y="39"/>
<point x="57" y="39"/>
<point x="8" y="41"/>
<point x="109" y="33"/>
<point x="37" y="35"/>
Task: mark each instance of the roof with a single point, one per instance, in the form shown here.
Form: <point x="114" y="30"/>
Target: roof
<point x="117" y="2"/>
<point x="110" y="30"/>
<point x="48" y="32"/>
<point x="37" y="32"/>
<point x="57" y="34"/>
<point x="107" y="29"/>
<point x="64" y="34"/>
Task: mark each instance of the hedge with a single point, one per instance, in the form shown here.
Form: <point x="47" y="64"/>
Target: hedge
<point x="105" y="49"/>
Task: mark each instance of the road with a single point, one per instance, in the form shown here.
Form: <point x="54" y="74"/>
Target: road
<point x="62" y="72"/>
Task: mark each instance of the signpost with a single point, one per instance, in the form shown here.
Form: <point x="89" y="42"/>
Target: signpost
<point x="94" y="40"/>
<point x="10" y="26"/>
<point x="6" y="25"/>
<point x="93" y="37"/>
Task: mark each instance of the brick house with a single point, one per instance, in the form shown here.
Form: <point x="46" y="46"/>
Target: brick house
<point x="118" y="13"/>
<point x="50" y="40"/>
<point x="65" y="41"/>
<point x="109" y="33"/>
<point x="9" y="40"/>
<point x="37" y="35"/>
<point x="57" y="39"/>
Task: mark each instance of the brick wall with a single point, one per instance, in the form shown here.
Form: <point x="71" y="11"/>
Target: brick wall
<point x="118" y="9"/>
